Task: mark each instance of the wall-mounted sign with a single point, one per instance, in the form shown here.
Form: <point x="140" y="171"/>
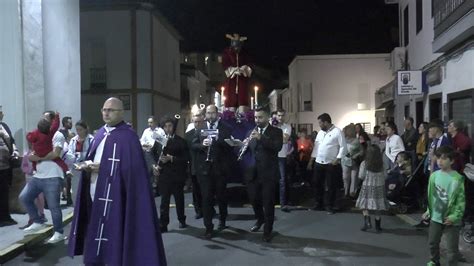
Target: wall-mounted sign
<point x="409" y="82"/>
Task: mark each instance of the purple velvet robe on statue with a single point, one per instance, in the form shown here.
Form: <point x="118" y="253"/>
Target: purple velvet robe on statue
<point x="120" y="227"/>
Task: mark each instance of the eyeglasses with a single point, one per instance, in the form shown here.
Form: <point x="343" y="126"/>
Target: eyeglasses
<point x="110" y="110"/>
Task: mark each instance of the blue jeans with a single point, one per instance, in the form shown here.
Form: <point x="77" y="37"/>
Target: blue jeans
<point x="51" y="188"/>
<point x="282" y="166"/>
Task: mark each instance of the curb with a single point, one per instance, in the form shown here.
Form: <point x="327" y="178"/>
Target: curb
<point x="21" y="245"/>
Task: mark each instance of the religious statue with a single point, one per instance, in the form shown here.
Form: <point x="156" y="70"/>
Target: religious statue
<point x="237" y="70"/>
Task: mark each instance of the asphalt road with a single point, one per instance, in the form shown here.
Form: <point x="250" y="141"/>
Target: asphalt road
<point x="301" y="237"/>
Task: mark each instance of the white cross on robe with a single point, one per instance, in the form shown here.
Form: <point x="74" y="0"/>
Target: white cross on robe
<point x="100" y="238"/>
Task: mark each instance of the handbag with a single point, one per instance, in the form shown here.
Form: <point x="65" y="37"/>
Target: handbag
<point x="14" y="161"/>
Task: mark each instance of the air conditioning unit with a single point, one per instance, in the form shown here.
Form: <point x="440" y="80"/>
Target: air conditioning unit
<point x="398" y="59"/>
<point x="389" y="2"/>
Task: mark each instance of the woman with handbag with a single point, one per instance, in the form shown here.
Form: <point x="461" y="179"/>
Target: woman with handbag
<point x="8" y="151"/>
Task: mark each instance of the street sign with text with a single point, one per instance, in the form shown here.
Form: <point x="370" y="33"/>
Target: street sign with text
<point x="409" y="82"/>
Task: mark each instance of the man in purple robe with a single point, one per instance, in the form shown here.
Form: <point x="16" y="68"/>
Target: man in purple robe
<point x="115" y="218"/>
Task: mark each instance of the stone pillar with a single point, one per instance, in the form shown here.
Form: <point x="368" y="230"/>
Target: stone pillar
<point x="61" y="48"/>
<point x="40" y="66"/>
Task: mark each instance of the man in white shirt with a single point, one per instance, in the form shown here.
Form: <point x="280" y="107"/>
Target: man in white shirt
<point x="149" y="137"/>
<point x="329" y="148"/>
<point x="282" y="154"/>
<point x="48" y="180"/>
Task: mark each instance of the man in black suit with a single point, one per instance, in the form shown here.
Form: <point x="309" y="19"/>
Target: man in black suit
<point x="199" y="123"/>
<point x="172" y="173"/>
<point x="212" y="173"/>
<point x="262" y="177"/>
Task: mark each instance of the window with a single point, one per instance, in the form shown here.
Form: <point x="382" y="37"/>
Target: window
<point x="419" y="15"/>
<point x="307" y="127"/>
<point x="405" y="26"/>
<point x="305" y="94"/>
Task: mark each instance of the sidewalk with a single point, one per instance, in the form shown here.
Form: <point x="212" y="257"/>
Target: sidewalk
<point x="13" y="241"/>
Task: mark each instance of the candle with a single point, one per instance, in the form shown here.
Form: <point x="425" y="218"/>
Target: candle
<point x="256" y="90"/>
<point x="222" y="95"/>
<point x="251" y="103"/>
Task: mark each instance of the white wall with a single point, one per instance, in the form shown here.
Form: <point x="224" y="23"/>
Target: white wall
<point x="165" y="61"/>
<point x="337" y="82"/>
<point x="62" y="76"/>
<point x="11" y="68"/>
<point x="39" y="55"/>
<point x="419" y="51"/>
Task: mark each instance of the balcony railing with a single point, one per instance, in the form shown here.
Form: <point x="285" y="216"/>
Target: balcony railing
<point x="448" y="12"/>
<point x="98" y="76"/>
<point x="115" y="3"/>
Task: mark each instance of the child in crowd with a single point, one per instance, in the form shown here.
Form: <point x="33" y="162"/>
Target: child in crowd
<point x="41" y="141"/>
<point x="372" y="193"/>
<point x="446" y="203"/>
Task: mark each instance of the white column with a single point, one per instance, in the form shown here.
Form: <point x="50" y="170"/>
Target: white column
<point x="62" y="74"/>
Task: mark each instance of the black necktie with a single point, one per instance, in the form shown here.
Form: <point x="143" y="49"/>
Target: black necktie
<point x="211" y="125"/>
<point x="261" y="130"/>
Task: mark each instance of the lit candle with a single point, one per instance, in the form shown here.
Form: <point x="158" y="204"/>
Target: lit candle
<point x="251" y="103"/>
<point x="222" y="96"/>
<point x="256" y="90"/>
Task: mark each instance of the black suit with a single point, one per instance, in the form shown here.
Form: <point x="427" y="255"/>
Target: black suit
<point x="262" y="178"/>
<point x="212" y="174"/>
<point x="172" y="178"/>
<point x="197" y="197"/>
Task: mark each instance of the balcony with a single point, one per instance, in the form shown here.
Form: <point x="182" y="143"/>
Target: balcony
<point x="453" y="23"/>
<point x="148" y="4"/>
<point x="384" y="95"/>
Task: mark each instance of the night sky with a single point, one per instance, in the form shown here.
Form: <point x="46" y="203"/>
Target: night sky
<point x="280" y="29"/>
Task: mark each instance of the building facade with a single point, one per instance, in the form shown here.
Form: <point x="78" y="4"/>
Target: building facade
<point x="340" y="85"/>
<point x="437" y="37"/>
<point x="130" y="51"/>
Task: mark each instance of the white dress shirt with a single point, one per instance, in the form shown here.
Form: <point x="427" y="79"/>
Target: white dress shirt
<point x="284" y="148"/>
<point x="97" y="158"/>
<point x="149" y="136"/>
<point x="329" y="146"/>
<point x="393" y="145"/>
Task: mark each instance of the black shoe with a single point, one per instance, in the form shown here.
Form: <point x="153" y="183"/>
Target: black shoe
<point x="164" y="229"/>
<point x="8" y="222"/>
<point x="330" y="211"/>
<point x="267" y="237"/>
<point x="256" y="227"/>
<point x="367" y="224"/>
<point x="221" y="226"/>
<point x="378" y="228"/>
<point x="317" y="207"/>
<point x="208" y="234"/>
<point x="30" y="222"/>
<point x="69" y="202"/>
<point x="285" y="208"/>
<point x="182" y="225"/>
<point x="198" y="215"/>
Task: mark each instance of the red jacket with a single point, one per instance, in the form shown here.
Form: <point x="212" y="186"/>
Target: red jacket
<point x="462" y="146"/>
<point x="42" y="144"/>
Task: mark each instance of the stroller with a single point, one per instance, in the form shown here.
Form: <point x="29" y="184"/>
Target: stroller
<point x="400" y="182"/>
<point x="467" y="232"/>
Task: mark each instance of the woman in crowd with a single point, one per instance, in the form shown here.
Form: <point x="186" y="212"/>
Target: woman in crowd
<point x="359" y="129"/>
<point x="393" y="145"/>
<point x="7" y="150"/>
<point x="349" y="165"/>
<point x="372" y="194"/>
<point x="77" y="150"/>
<point x="422" y="144"/>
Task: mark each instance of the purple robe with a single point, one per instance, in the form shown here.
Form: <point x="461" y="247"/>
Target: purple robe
<point x="120" y="227"/>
